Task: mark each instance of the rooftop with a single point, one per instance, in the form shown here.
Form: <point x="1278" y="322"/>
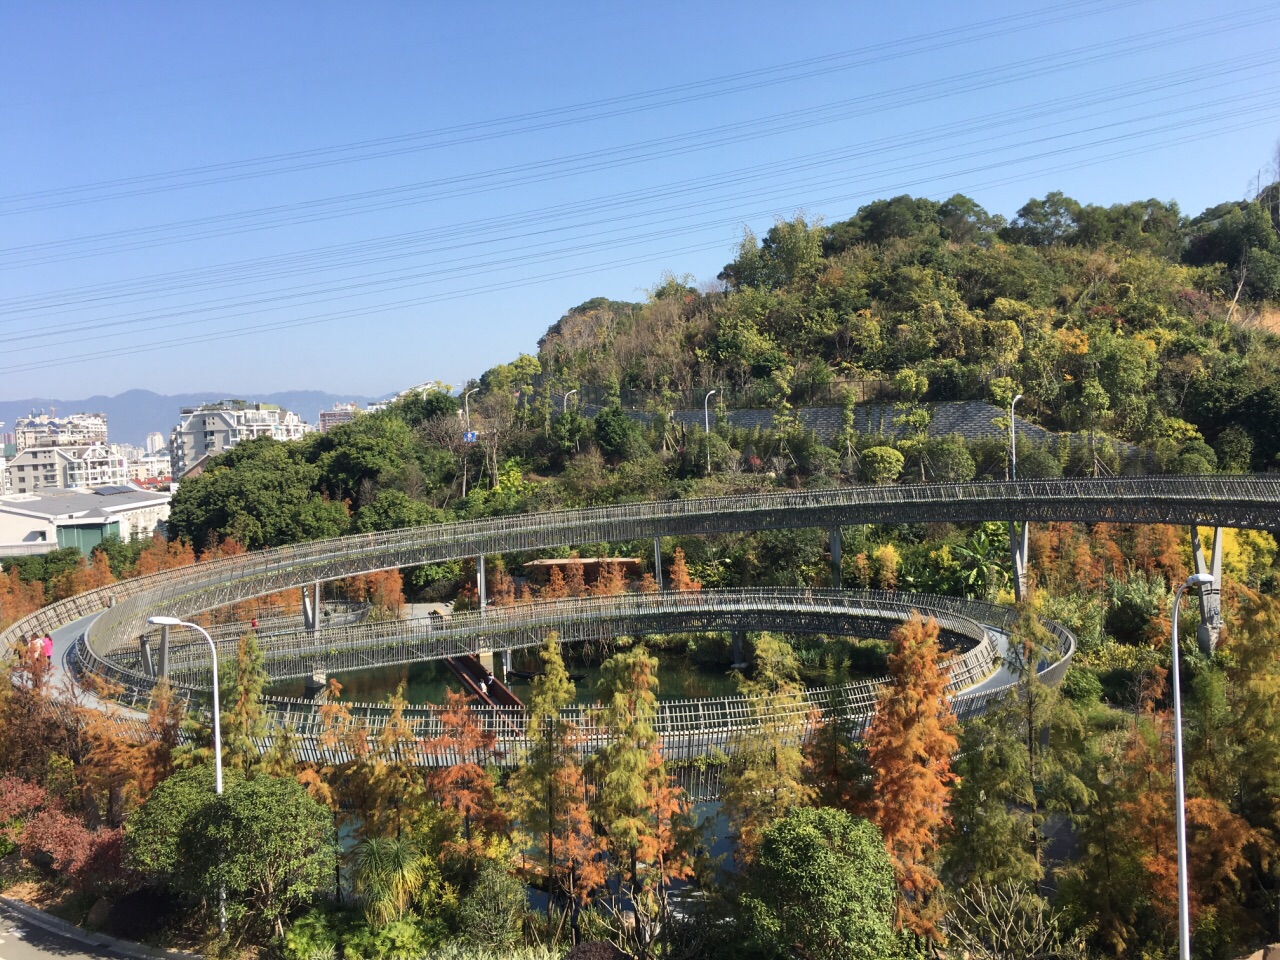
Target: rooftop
<point x="100" y="502"/>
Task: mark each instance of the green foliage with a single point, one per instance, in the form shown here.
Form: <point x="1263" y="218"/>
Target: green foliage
<point x="822" y="879"/>
<point x="155" y="833"/>
<point x="267" y="842"/>
<point x="398" y="940"/>
<point x="882" y="465"/>
<point x="491" y="915"/>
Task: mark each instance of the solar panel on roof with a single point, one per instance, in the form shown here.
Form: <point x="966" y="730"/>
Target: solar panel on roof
<point x="108" y="491"/>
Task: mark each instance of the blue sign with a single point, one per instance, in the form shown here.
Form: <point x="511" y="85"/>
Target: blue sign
<point x="470" y="436"/>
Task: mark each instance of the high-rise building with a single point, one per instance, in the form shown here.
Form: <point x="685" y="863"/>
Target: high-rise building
<point x="212" y="428"/>
<point x="47" y="430"/>
<point x="341" y="413"/>
<point x="155" y="442"/>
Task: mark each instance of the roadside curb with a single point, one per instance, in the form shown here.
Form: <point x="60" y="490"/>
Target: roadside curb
<point x="61" y="927"/>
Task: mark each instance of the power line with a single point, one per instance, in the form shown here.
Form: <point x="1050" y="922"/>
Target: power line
<point x="588" y="111"/>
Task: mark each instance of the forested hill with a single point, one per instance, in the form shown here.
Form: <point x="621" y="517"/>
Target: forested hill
<point x="1132" y="320"/>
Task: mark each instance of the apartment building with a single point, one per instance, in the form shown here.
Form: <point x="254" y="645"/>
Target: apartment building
<point x="67" y="468"/>
<point x="75" y="430"/>
<point x="208" y="430"/>
<point x="341" y="413"/>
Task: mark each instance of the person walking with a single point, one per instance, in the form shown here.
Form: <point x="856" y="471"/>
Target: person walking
<point x="35" y="648"/>
<point x="46" y="647"/>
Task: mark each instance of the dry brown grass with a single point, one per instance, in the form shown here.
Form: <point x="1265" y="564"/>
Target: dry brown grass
<point x="1265" y="318"/>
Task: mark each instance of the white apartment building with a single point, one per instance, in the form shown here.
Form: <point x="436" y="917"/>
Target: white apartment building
<point x="155" y="442"/>
<point x="66" y="468"/>
<point x="37" y="523"/>
<point x="75" y="430"/>
<point x="341" y="413"/>
<point x="210" y="429"/>
<point x="155" y="467"/>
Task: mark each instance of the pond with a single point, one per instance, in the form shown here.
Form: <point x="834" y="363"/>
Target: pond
<point x="688" y="668"/>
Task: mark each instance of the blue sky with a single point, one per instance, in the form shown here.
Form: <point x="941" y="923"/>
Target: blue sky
<point x="355" y="198"/>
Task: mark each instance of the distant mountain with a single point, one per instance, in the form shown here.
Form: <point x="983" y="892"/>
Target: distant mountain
<point x="135" y="413"/>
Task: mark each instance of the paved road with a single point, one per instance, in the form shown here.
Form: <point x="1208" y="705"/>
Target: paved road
<point x="20" y="940"/>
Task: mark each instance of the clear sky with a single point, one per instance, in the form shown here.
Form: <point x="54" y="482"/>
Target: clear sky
<point x="357" y="197"/>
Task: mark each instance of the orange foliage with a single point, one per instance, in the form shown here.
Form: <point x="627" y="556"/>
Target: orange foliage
<point x="463" y="785"/>
<point x="573" y="581"/>
<point x="18" y="599"/>
<point x="611" y="580"/>
<point x="555" y="588"/>
<point x="88" y="575"/>
<point x="160" y="554"/>
<point x="1069" y="556"/>
<point x="678" y="576"/>
<point x="909" y="744"/>
<point x="500" y="588"/>
<point x="647" y="584"/>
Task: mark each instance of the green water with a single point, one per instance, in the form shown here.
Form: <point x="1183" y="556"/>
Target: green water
<point x="678" y="679"/>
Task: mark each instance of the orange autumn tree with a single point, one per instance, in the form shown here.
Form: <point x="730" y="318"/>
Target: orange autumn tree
<point x="88" y="575"/>
<point x="678" y="577"/>
<point x="909" y="747"/>
<point x="573" y="580"/>
<point x="462" y="784"/>
<point x="500" y="588"/>
<point x="610" y="581"/>
<point x="161" y="554"/>
<point x="555" y="588"/>
<point x="18" y="598"/>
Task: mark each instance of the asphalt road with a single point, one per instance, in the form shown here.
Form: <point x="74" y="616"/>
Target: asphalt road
<point x="20" y="940"/>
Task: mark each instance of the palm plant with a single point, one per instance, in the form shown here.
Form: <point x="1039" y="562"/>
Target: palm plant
<point x="387" y="872"/>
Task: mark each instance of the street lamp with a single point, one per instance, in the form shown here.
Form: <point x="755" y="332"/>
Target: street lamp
<point x="466" y="406"/>
<point x="564" y="404"/>
<point x="1184" y="915"/>
<point x="217" y="735"/>
<point x="1013" y="441"/>
<point x="706" y="426"/>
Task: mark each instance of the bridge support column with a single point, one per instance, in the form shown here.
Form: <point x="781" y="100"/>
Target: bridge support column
<point x="164" y="652"/>
<point x="486" y="659"/>
<point x="739" y="650"/>
<point x="480" y="584"/>
<point x="506" y="665"/>
<point x="1211" y="594"/>
<point x="1019" y="546"/>
<point x="311" y="606"/>
<point x="657" y="561"/>
<point x="147" y="663"/>
<point x="833" y="540"/>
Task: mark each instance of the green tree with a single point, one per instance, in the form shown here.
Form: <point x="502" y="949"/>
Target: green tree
<point x="821" y="887"/>
<point x="154" y="833"/>
<point x="882" y="465"/>
<point x="765" y="778"/>
<point x="386" y="874"/>
<point x="244" y="719"/>
<point x="268" y="843"/>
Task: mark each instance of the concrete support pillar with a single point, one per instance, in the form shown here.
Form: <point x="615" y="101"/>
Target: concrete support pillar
<point x="481" y="587"/>
<point x="164" y="652"/>
<point x="833" y="539"/>
<point x="657" y="561"/>
<point x="1019" y="547"/>
<point x="147" y="664"/>
<point x="486" y="659"/>
<point x="311" y="606"/>
<point x="506" y="664"/>
<point x="739" y="650"/>
<point x="1210" y="594"/>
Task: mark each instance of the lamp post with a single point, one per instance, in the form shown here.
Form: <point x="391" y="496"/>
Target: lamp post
<point x="706" y="425"/>
<point x="217" y="736"/>
<point x="1013" y="440"/>
<point x="564" y="404"/>
<point x="1184" y="914"/>
<point x="466" y="406"/>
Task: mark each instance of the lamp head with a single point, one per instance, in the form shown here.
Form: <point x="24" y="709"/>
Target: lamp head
<point x="164" y="621"/>
<point x="1199" y="580"/>
<point x="1016" y="399"/>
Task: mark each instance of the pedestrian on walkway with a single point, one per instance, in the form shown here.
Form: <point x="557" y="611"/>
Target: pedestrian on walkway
<point x="46" y="647"/>
<point x="34" y="648"/>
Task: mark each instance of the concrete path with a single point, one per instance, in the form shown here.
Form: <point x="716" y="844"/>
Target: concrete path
<point x="21" y="940"/>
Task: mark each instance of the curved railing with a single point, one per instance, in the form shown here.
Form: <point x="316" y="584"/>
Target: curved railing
<point x="1230" y="501"/>
<point x="300" y="653"/>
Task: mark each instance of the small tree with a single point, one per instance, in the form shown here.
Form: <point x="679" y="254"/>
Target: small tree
<point x="821" y="879"/>
<point x="766" y="772"/>
<point x="909" y="746"/>
<point x="461" y="783"/>
<point x="267" y="843"/>
<point x="882" y="465"/>
<point x="678" y="576"/>
<point x="244" y="719"/>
